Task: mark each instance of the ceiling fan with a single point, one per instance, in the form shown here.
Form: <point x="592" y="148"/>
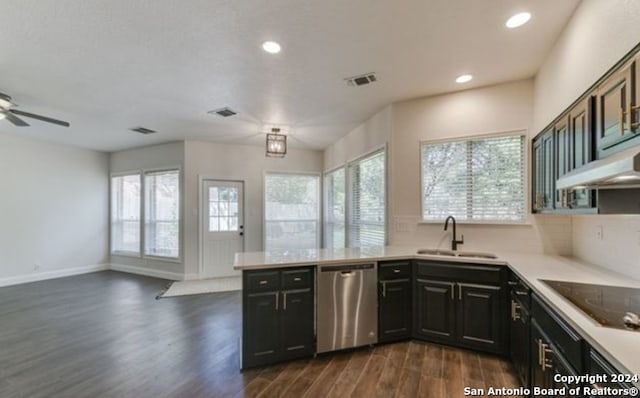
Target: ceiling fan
<point x="7" y="112"/>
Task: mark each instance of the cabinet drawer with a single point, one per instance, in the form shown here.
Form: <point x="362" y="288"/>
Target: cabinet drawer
<point x="564" y="338"/>
<point x="394" y="270"/>
<point x="296" y="278"/>
<point x="461" y="272"/>
<point x="262" y="281"/>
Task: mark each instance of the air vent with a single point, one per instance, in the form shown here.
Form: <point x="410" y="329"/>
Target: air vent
<point x="361" y="80"/>
<point x="143" y="130"/>
<point x="224" y="112"/>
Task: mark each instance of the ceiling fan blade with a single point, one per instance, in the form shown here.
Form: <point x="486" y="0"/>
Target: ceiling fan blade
<point x="39" y="117"/>
<point x="15" y="120"/>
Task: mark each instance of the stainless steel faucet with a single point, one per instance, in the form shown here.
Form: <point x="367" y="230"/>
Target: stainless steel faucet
<point x="454" y="241"/>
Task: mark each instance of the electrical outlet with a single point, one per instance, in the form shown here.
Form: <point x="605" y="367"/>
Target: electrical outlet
<point x="599" y="232"/>
<point x="36" y="266"/>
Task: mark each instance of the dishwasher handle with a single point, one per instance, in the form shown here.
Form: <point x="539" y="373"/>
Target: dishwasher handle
<point x="347" y="269"/>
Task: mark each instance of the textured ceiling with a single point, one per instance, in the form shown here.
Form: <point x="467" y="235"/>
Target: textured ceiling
<point x="106" y="66"/>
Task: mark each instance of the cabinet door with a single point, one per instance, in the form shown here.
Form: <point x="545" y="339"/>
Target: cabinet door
<point x="540" y="374"/>
<point x="297" y="316"/>
<point x="394" y="309"/>
<point x="434" y="316"/>
<point x="581" y="136"/>
<point x="261" y="329"/>
<point x="520" y="342"/>
<point x="481" y="316"/>
<point x="563" y="158"/>
<point x="544" y="177"/>
<point x="614" y="110"/>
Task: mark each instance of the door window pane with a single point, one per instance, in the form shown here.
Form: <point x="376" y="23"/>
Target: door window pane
<point x="223" y="206"/>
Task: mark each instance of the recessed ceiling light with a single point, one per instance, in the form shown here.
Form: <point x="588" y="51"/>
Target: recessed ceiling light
<point x="271" y="47"/>
<point x="464" y="78"/>
<point x="518" y="20"/>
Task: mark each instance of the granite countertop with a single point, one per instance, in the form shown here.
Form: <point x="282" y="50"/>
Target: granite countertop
<point x="620" y="347"/>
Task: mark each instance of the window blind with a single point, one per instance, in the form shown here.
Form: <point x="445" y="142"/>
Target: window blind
<point x="475" y="180"/>
<point x="162" y="213"/>
<point x="367" y="201"/>
<point x="335" y="200"/>
<point x="292" y="211"/>
<point x="125" y="214"/>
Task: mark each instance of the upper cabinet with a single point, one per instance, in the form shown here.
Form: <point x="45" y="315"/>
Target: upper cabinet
<point x="617" y="110"/>
<point x="605" y="120"/>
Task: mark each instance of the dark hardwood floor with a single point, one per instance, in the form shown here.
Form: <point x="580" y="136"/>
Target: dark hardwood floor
<point x="105" y="335"/>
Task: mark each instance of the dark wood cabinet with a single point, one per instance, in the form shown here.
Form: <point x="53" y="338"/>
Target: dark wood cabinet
<point x="520" y="329"/>
<point x="278" y="315"/>
<point x="562" y="158"/>
<point x="581" y="136"/>
<point x="394" y="300"/>
<point x="597" y="365"/>
<point x="435" y="318"/>
<point x="480" y="313"/>
<point x="461" y="304"/>
<point x="543" y="172"/>
<point x="616" y="110"/>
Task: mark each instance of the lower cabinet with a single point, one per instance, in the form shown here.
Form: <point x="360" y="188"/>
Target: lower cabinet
<point x="278" y="315"/>
<point x="394" y="300"/>
<point x="520" y="329"/>
<point x="461" y="304"/>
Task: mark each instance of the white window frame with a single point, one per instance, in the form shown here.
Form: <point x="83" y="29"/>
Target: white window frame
<point x="319" y="230"/>
<point x="325" y="204"/>
<point x="141" y="254"/>
<point x="124" y="253"/>
<point x="178" y="258"/>
<point x="526" y="191"/>
<point x="348" y="192"/>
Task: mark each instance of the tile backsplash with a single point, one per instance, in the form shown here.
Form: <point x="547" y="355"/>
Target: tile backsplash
<point x="609" y="241"/>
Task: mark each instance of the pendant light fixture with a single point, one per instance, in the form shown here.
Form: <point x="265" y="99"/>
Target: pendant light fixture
<point x="276" y="143"/>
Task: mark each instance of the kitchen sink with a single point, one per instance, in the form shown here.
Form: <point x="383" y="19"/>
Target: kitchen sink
<point x="450" y="253"/>
<point x="436" y="252"/>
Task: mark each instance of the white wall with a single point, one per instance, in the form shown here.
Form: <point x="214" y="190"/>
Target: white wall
<point x="235" y="162"/>
<point x="367" y="137"/>
<point x="597" y="36"/>
<point x="493" y="109"/>
<point x="53" y="210"/>
<point x="151" y="157"/>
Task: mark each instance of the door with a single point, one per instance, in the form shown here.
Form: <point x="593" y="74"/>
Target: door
<point x="563" y="157"/>
<point x="222" y="227"/>
<point x="297" y="323"/>
<point x="615" y="110"/>
<point x="394" y="309"/>
<point x="434" y="310"/>
<point x="481" y="316"/>
<point x="581" y="133"/>
<point x="262" y="340"/>
<point x="520" y="341"/>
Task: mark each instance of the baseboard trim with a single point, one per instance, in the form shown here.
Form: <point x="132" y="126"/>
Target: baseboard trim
<point x="147" y="272"/>
<point x="41" y="276"/>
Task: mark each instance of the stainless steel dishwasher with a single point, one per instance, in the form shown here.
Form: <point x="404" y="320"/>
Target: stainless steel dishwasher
<point x="347" y="306"/>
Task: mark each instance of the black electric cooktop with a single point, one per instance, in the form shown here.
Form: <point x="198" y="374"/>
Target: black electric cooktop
<point x="610" y="306"/>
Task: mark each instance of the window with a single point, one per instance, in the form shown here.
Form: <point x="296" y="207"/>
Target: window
<point x="292" y="211"/>
<point x="334" y="227"/>
<point x="367" y="201"/>
<point x="162" y="213"/>
<point x="479" y="180"/>
<point x="223" y="209"/>
<point x="125" y="214"/>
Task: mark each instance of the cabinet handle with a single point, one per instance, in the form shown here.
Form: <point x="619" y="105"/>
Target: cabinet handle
<point x="521" y="293"/>
<point x="514" y="311"/>
<point x="512" y="283"/>
<point x="297" y="279"/>
<point x="384" y="289"/>
<point x="544" y="362"/>
<point x="632" y="110"/>
<point x="284" y="301"/>
<point x="277" y="299"/>
<point x="459" y="292"/>
<point x="621" y="121"/>
<point x="539" y="352"/>
<point x="396" y="271"/>
<point x="263" y="282"/>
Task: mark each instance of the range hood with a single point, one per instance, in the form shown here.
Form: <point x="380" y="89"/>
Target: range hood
<point x="620" y="170"/>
